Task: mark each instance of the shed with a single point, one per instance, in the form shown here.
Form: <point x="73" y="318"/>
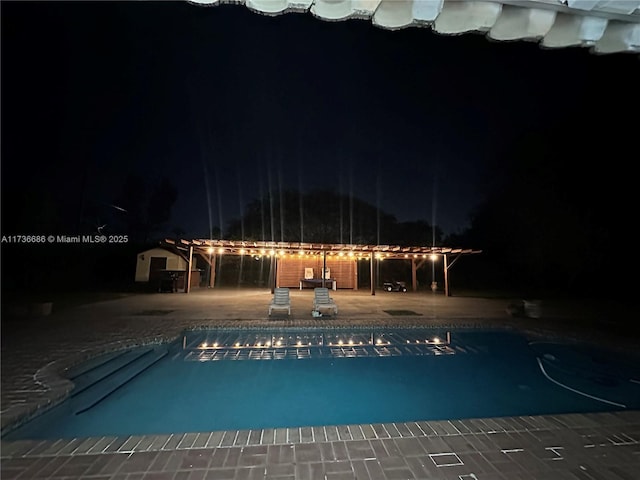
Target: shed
<point x="156" y="264"/>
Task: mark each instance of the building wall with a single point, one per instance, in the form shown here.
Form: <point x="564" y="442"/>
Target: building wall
<point x="143" y="264"/>
<point x="291" y="270"/>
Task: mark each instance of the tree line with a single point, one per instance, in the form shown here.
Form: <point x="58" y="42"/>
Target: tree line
<point x="555" y="209"/>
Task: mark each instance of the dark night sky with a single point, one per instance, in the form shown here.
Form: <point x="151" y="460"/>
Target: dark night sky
<point x="223" y="101"/>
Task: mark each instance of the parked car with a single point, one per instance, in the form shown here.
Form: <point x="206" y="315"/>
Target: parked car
<point x="395" y="286"/>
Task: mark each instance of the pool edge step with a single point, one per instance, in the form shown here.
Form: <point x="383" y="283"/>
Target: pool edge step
<point x="113" y="383"/>
<point x="111" y="366"/>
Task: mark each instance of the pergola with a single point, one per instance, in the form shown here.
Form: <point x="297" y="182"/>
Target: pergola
<point x="417" y="255"/>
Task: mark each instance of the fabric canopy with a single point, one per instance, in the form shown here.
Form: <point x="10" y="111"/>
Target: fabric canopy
<point x="604" y="26"/>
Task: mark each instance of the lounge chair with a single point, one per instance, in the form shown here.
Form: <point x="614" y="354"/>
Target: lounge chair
<point x="322" y="300"/>
<point x="281" y="300"/>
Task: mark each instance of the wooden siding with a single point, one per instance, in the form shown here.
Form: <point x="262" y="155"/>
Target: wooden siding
<point x="291" y="270"/>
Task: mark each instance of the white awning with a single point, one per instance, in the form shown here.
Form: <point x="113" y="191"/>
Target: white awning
<point x="611" y="26"/>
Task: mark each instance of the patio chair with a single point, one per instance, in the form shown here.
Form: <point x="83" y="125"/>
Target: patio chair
<point x="281" y="300"/>
<point x="322" y="300"/>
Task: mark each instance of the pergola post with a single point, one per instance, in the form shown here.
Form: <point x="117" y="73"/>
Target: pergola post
<point x="272" y="273"/>
<point x="324" y="268"/>
<point x="447" y="292"/>
<point x="187" y="286"/>
<point x="414" y="276"/>
<point x="210" y="258"/>
<point x="355" y="274"/>
<point x="212" y="272"/>
<point x="373" y="284"/>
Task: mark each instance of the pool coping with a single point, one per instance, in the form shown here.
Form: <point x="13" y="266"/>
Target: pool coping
<point x="301" y="435"/>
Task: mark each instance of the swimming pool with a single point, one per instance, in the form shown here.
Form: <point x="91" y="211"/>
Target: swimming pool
<point x="221" y="379"/>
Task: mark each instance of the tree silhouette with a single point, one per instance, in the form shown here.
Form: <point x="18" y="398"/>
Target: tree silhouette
<point x="148" y="210"/>
<point x="161" y="200"/>
<point x="325" y="216"/>
<point x="551" y="220"/>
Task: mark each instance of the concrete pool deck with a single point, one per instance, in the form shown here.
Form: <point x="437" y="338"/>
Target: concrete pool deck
<point x="549" y="447"/>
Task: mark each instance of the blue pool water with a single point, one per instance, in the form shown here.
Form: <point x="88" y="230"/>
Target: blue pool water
<point x="238" y="380"/>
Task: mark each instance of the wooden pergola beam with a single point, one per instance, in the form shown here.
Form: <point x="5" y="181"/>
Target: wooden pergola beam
<point x="257" y="247"/>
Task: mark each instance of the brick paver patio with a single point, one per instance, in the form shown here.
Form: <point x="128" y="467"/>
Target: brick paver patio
<point x="575" y="446"/>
